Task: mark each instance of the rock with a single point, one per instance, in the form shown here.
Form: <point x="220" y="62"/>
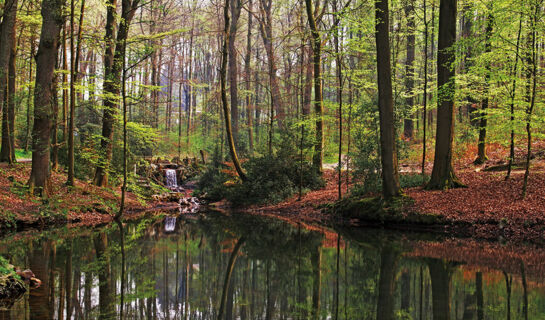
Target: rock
<point x="11" y="290"/>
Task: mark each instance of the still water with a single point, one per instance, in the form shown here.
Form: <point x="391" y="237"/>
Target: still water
<point x="245" y="267"/>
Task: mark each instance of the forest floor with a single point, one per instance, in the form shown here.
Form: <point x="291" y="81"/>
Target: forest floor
<point x="490" y="207"/>
<point x="83" y="204"/>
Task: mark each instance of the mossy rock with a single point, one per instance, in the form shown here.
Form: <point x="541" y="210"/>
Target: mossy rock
<point x="11" y="289"/>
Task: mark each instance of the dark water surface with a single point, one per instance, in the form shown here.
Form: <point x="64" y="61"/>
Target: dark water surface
<point x="277" y="271"/>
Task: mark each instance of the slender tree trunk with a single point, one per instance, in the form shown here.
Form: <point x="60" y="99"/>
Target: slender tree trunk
<point x="43" y="95"/>
<point x="318" y="158"/>
<point x="340" y="84"/>
<point x="267" y="35"/>
<point x="113" y="61"/>
<point x="236" y="6"/>
<point x="408" y="124"/>
<point x="247" y="75"/>
<point x="11" y="96"/>
<point x="481" y="153"/>
<point x="531" y="95"/>
<point x="390" y="175"/>
<point x="74" y="63"/>
<point x="512" y="105"/>
<point x="443" y="176"/>
<point x="225" y="105"/>
<point x="425" y="95"/>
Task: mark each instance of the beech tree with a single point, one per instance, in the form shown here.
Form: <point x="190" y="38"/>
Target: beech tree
<point x="113" y="65"/>
<point x="390" y="175"/>
<point x="7" y="43"/>
<point x="443" y="176"/>
<point x="52" y="21"/>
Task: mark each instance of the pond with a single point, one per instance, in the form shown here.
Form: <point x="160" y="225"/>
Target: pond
<point x="247" y="267"/>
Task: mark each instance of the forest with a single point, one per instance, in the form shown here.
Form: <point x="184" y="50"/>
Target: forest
<point x="351" y="119"/>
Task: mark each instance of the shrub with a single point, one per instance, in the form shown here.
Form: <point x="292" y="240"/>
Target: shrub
<point x="270" y="178"/>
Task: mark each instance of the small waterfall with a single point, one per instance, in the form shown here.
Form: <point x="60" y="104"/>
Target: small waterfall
<point x="170" y="224"/>
<point x="172" y="181"/>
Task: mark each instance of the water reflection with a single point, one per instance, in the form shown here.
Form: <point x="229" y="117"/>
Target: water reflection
<point x="217" y="267"/>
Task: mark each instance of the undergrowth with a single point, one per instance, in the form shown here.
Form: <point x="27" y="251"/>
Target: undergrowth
<point x="270" y="178"/>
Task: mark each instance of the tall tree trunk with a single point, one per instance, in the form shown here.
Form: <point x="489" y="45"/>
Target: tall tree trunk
<point x="266" y="29"/>
<point x="7" y="42"/>
<point x="74" y="63"/>
<point x="390" y="175"/>
<point x="225" y="105"/>
<point x="11" y="96"/>
<point x="236" y="6"/>
<point x="247" y="76"/>
<point x="512" y="105"/>
<point x="531" y="86"/>
<point x="443" y="176"/>
<point x="43" y="94"/>
<point x="408" y="124"/>
<point x="318" y="158"/>
<point x="113" y="64"/>
<point x="481" y="153"/>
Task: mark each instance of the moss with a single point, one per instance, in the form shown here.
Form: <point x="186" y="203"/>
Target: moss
<point x="383" y="211"/>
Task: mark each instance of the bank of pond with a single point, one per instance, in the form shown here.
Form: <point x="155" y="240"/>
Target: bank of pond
<point x="241" y="266"/>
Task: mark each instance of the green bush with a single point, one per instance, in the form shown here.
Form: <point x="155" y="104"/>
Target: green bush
<point x="270" y="178"/>
<point x="273" y="178"/>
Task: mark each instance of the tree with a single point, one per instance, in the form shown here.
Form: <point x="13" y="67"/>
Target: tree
<point x="316" y="42"/>
<point x="43" y="95"/>
<point x="224" y="103"/>
<point x="236" y="7"/>
<point x="74" y="64"/>
<point x="113" y="61"/>
<point x="443" y="176"/>
<point x="408" y="124"/>
<point x="481" y="153"/>
<point x="7" y="42"/>
<point x="390" y="175"/>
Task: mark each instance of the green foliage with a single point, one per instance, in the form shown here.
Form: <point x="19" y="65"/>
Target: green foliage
<point x="6" y="269"/>
<point x="273" y="178"/>
<point x="211" y="183"/>
<point x="366" y="157"/>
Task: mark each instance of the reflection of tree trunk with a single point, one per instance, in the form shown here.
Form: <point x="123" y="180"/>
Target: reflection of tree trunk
<point x="405" y="290"/>
<point x="386" y="285"/>
<point x="87" y="293"/>
<point x="230" y="298"/>
<point x="525" y="292"/>
<point x="41" y="263"/>
<point x="469" y="307"/>
<point x="508" y="281"/>
<point x="479" y="294"/>
<point x="229" y="271"/>
<point x="68" y="281"/>
<point x="105" y="298"/>
<point x="316" y="261"/>
<point x="271" y="296"/>
<point x="245" y="293"/>
<point x="440" y="274"/>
